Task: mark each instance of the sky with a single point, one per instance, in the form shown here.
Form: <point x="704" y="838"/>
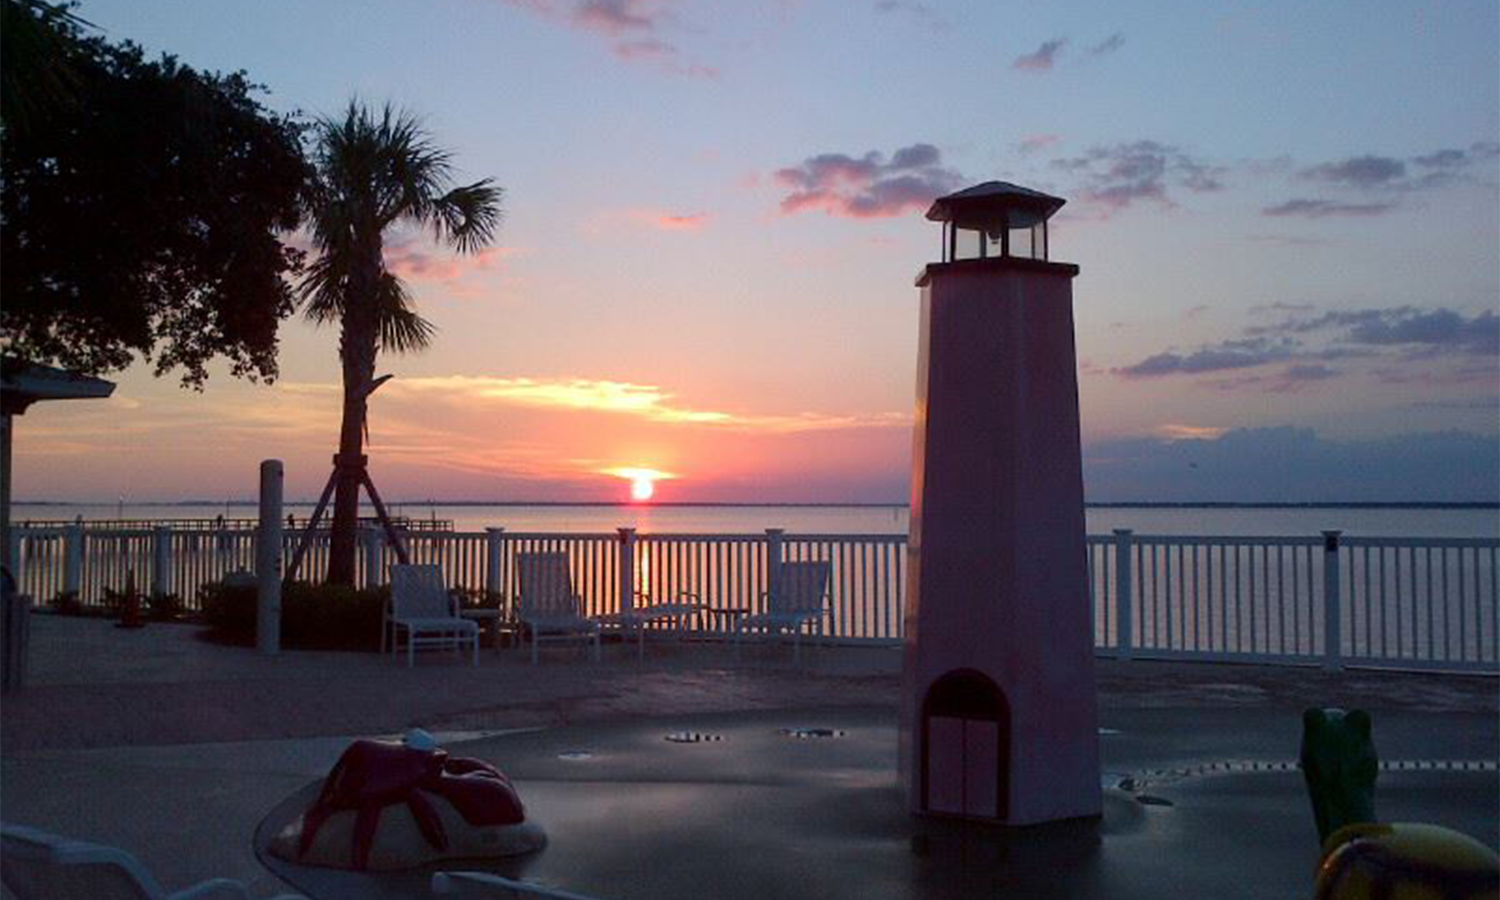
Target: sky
<point x="1287" y="220"/>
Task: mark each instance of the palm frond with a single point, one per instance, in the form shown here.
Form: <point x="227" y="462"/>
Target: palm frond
<point x="401" y="328"/>
<point x="467" y="216"/>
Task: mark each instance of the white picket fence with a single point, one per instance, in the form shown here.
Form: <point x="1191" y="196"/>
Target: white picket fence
<point x="1328" y="599"/>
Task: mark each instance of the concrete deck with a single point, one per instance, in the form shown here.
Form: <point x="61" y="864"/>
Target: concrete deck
<point x="176" y="749"/>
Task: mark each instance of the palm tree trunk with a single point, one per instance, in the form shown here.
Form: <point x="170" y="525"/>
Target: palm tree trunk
<point x="357" y="350"/>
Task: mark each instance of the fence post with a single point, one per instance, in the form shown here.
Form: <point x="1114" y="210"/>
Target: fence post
<point x="161" y="561"/>
<point x="73" y="561"/>
<point x="13" y="555"/>
<point x="1332" y="593"/>
<point x="627" y="569"/>
<point x="268" y="554"/>
<point x="494" y="575"/>
<point x="1124" y="592"/>
<point x="773" y="558"/>
<point x="370" y="538"/>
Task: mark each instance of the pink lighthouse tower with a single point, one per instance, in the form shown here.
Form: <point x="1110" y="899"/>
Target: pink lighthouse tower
<point x="998" y="718"/>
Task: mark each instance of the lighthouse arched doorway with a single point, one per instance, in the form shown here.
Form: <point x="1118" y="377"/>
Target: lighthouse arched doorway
<point x="965" y="758"/>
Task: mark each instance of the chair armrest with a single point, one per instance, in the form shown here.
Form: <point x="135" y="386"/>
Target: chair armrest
<point x="213" y="889"/>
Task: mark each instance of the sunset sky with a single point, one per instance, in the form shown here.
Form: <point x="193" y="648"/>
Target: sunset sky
<point x="1287" y="220"/>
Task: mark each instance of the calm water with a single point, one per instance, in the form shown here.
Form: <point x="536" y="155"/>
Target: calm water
<point x="844" y="519"/>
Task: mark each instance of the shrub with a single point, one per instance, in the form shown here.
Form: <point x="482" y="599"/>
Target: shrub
<point x="164" y="608"/>
<point x="313" y="616"/>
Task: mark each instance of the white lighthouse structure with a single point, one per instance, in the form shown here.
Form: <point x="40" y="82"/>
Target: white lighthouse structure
<point x="998" y="715"/>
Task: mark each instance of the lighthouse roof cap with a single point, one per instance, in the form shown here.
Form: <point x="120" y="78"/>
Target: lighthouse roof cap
<point x="993" y="205"/>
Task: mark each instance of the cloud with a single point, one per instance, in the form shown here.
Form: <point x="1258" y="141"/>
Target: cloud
<point x="1402" y="326"/>
<point x="1309" y="208"/>
<point x="645" y="401"/>
<point x="1401" y="345"/>
<point x="417" y="260"/>
<point x="1041" y="60"/>
<point x="1294" y="465"/>
<point x="1179" y="432"/>
<point x="1223" y="356"/>
<point x="867" y="186"/>
<point x="1109" y="44"/>
<point x="1358" y="171"/>
<point x="921" y="13"/>
<point x="1288" y="240"/>
<point x="1116" y="176"/>
<point x="631" y="29"/>
<point x="1034" y="142"/>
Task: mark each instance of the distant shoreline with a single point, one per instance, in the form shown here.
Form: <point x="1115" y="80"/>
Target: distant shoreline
<point x="1125" y="504"/>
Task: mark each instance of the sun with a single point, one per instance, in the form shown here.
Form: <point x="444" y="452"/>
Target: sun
<point x="641" y="489"/>
<point x="642" y="481"/>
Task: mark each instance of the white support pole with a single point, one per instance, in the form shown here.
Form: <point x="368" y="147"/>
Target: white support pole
<point x="369" y="539"/>
<point x="161" y="561"/>
<point x="268" y="560"/>
<point x="494" y="574"/>
<point x="773" y="558"/>
<point x="1332" y="592"/>
<point x="627" y="569"/>
<point x="1124" y="591"/>
<point x="73" y="561"/>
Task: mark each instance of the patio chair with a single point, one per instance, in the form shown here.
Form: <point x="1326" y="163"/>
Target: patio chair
<point x="795" y="601"/>
<point x="422" y="607"/>
<point x="498" y="887"/>
<point x="36" y="865"/>
<point x="547" y="605"/>
<point x="639" y="616"/>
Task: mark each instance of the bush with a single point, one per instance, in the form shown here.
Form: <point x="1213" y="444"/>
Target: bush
<point x="313" y="616"/>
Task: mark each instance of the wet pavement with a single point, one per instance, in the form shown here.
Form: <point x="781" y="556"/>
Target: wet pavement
<point x="755" y="809"/>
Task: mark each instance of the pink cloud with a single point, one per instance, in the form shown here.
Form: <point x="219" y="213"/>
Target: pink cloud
<point x="632" y="29"/>
<point x="1034" y="142"/>
<point x="691" y="222"/>
<point x="1041" y="60"/>
<point x="867" y="186"/>
<point x="417" y="261"/>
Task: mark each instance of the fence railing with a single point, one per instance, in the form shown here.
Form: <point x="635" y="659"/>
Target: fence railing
<point x="1328" y="599"/>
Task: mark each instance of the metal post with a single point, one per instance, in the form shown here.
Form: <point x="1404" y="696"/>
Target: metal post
<point x="627" y="569"/>
<point x="13" y="553"/>
<point x="1124" y="590"/>
<point x="1332" y="592"/>
<point x="73" y="560"/>
<point x="268" y="560"/>
<point x="494" y="575"/>
<point x="161" y="561"/>
<point x="773" y="558"/>
<point x="370" y="539"/>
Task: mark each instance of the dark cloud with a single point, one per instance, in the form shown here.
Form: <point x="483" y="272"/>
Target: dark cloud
<point x="868" y="186"/>
<point x="1294" y="464"/>
<point x="1309" y="208"/>
<point x="1042" y="59"/>
<point x="921" y="13"/>
<point x="1220" y="357"/>
<point x="1109" y="44"/>
<point x="1403" y="326"/>
<point x="1358" y="171"/>
<point x="1117" y="175"/>
<point x="1406" y="345"/>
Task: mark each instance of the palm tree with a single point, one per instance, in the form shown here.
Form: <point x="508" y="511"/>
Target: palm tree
<point x="372" y="172"/>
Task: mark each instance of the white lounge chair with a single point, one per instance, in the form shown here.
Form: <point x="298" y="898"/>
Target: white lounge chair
<point x="796" y="600"/>
<point x="497" y="887"/>
<point x="547" y="604"/>
<point x="36" y="865"/>
<point x="422" y="607"/>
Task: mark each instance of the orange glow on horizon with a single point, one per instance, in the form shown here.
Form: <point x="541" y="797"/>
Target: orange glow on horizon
<point x="642" y="481"/>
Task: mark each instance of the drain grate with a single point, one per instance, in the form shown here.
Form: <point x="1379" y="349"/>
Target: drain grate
<point x="692" y="737"/>
<point x="813" y="734"/>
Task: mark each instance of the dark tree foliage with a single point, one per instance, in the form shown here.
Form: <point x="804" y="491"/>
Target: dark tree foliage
<point x="143" y="207"/>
